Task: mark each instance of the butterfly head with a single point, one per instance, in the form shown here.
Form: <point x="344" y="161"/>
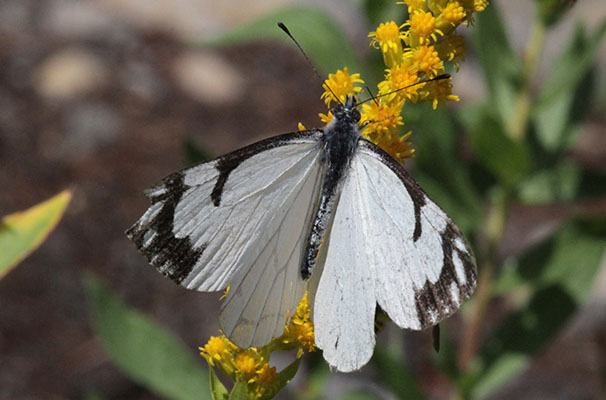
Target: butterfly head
<point x="347" y="112"/>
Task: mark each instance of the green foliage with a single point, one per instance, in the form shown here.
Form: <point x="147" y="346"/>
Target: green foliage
<point x="21" y="233"/>
<point x="320" y="36"/>
<point x="144" y="350"/>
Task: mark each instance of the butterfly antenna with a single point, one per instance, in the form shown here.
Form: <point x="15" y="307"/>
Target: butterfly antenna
<point x="372" y="97"/>
<point x="285" y="29"/>
<point x="437" y="78"/>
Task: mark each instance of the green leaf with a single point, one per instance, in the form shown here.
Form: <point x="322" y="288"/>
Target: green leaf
<point x="288" y="373"/>
<point x="558" y="184"/>
<point x="217" y="390"/>
<point x="318" y="34"/>
<point x="143" y="350"/>
<point x="194" y="154"/>
<point x="551" y="11"/>
<point x="22" y="232"/>
<point x="442" y="173"/>
<point x="240" y="391"/>
<point x="378" y="11"/>
<point x="561" y="270"/>
<point x="508" y="160"/>
<point x="558" y="105"/>
<point x="502" y="68"/>
<point x="396" y="376"/>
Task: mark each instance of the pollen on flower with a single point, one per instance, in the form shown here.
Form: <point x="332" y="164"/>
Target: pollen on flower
<point x="453" y="49"/>
<point x="245" y="363"/>
<point x="398" y="81"/>
<point x="452" y="14"/>
<point x="440" y="92"/>
<point x="219" y="352"/>
<point x="379" y="117"/>
<point x="266" y="375"/>
<point x="426" y="59"/>
<point x="422" y="29"/>
<point x="480" y="5"/>
<point x="342" y="85"/>
<point x="394" y="144"/>
<point x="300" y="331"/>
<point x="265" y="382"/>
<point x="414" y="5"/>
<point x="389" y="39"/>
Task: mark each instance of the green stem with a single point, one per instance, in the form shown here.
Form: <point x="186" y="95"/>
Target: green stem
<point x="519" y="120"/>
<point x="489" y="254"/>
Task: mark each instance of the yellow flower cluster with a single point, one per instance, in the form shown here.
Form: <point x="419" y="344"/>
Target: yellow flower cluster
<point x="413" y="52"/>
<point x="252" y="365"/>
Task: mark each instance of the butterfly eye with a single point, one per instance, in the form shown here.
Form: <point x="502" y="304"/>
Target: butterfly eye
<point x="355" y="115"/>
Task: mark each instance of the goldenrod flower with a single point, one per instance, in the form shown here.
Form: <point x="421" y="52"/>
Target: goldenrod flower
<point x="245" y="363"/>
<point x="300" y="331"/>
<point x="341" y="85"/>
<point x="426" y="60"/>
<point x="398" y="81"/>
<point x="422" y="29"/>
<point x="394" y="143"/>
<point x="413" y="5"/>
<point x="265" y="382"/>
<point x="452" y="49"/>
<point x="389" y="39"/>
<point x="450" y="16"/>
<point x="219" y="352"/>
<point x="440" y="92"/>
<point x="379" y="117"/>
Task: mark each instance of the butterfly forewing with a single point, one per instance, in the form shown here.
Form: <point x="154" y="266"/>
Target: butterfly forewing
<point x="238" y="221"/>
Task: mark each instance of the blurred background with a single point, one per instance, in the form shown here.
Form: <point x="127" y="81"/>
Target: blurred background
<point x="109" y="96"/>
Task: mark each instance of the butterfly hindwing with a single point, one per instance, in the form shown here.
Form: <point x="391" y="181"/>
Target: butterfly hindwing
<point x="238" y="221"/>
<point x="389" y="245"/>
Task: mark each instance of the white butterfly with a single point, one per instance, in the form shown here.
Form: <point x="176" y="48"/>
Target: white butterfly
<point x="323" y="211"/>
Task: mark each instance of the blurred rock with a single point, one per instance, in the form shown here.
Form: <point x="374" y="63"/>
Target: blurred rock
<point x="70" y="73"/>
<point x="89" y="127"/>
<point x="77" y="19"/>
<point x="208" y="78"/>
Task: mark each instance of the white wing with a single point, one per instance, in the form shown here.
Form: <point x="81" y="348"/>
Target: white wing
<point x="391" y="245"/>
<point x="238" y="221"/>
<point x="344" y="304"/>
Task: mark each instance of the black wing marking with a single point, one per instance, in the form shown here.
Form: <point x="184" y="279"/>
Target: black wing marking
<point x="435" y="301"/>
<point x="153" y="234"/>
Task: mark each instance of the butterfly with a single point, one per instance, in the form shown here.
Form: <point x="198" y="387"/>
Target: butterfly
<point x="321" y="211"/>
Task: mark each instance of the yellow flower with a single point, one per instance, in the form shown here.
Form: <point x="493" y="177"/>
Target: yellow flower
<point x="450" y="16"/>
<point x="453" y="49"/>
<point x="245" y="363"/>
<point x="265" y="382"/>
<point x="414" y="5"/>
<point x="422" y="29"/>
<point x="480" y="5"/>
<point x="326" y="118"/>
<point x="219" y="352"/>
<point x="341" y="84"/>
<point x="426" y="59"/>
<point x="379" y="117"/>
<point x="389" y="40"/>
<point x="440" y="91"/>
<point x="300" y="331"/>
<point x="393" y="143"/>
<point x="398" y="83"/>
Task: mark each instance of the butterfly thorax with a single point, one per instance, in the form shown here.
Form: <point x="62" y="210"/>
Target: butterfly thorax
<point x="339" y="144"/>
